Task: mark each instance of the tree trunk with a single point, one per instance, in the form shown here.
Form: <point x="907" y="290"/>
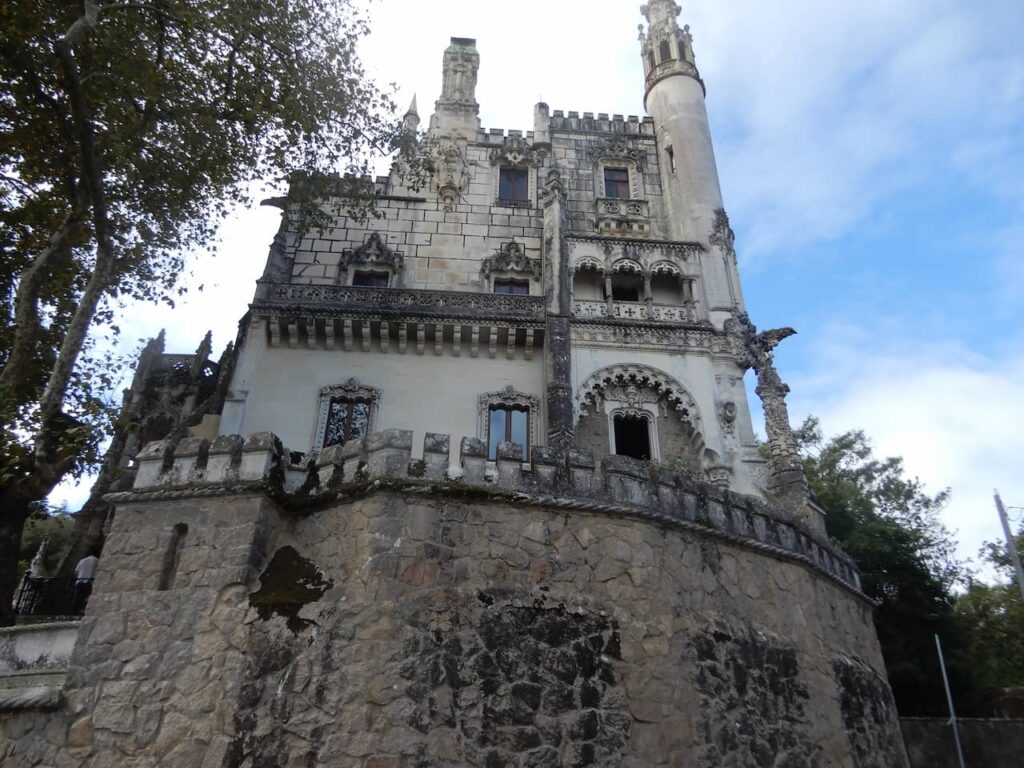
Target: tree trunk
<point x="12" y="522"/>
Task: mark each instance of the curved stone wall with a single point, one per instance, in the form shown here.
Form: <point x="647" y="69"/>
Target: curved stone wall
<point x="439" y="613"/>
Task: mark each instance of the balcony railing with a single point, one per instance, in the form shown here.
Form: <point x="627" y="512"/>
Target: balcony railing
<point x="59" y="596"/>
<point x="400" y="301"/>
<point x="636" y="310"/>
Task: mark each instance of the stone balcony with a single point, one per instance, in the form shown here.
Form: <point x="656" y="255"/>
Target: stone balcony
<point x="623" y="217"/>
<point x="635" y="310"/>
<point x="349" y="317"/>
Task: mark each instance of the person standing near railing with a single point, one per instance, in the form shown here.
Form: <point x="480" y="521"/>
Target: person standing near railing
<point x="85" y="571"/>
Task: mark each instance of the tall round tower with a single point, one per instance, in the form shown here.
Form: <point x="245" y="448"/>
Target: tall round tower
<point x="674" y="98"/>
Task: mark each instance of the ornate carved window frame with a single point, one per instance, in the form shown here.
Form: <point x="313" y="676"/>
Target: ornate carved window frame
<point x="515" y="152"/>
<point x="510" y="261"/>
<point x="372" y="256"/>
<point x="646" y="411"/>
<point x="351" y="389"/>
<point x="515" y="398"/>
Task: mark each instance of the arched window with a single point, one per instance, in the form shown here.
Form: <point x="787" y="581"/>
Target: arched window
<point x="347" y="411"/>
<point x="665" y="51"/>
<point x="508" y="416"/>
<point x="650" y="60"/>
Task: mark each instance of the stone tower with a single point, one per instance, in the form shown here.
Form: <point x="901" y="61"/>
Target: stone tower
<point x="485" y="489"/>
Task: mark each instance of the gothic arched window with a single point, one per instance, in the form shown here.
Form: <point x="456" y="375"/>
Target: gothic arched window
<point x="347" y="411"/>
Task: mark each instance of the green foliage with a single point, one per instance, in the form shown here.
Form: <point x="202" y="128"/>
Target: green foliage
<point x="53" y="525"/>
<point x="127" y="131"/>
<point x="890" y="527"/>
<point x="992" y="615"/>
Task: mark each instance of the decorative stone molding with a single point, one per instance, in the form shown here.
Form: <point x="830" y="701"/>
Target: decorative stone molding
<point x="374" y="253"/>
<point x="512" y="397"/>
<point x="618" y="150"/>
<point x="627" y="382"/>
<point x="297" y="299"/>
<point x="722" y="235"/>
<point x="351" y="389"/>
<point x="517" y="151"/>
<point x="449" y="168"/>
<point x="727" y="418"/>
<point x="511" y="258"/>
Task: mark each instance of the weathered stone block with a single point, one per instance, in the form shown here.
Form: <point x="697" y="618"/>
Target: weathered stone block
<point x="388" y="453"/>
<point x="509" y="461"/>
<point x="545" y="463"/>
<point x="261" y="453"/>
<point x="190" y="458"/>
<point x="473" y="454"/>
<point x="626" y="479"/>
<point x="581" y="473"/>
<point x="153" y="461"/>
<point x="436" y="451"/>
<point x="224" y="458"/>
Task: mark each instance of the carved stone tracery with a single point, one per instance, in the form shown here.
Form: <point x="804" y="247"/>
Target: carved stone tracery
<point x="633" y="384"/>
<point x="511" y="257"/>
<point x="353" y="390"/>
<point x="373" y="253"/>
<point x="513" y="398"/>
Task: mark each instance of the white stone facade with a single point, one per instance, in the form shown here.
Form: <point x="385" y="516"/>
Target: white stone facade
<point x="609" y="233"/>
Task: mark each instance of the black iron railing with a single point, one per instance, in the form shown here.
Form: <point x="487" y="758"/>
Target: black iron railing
<point x="56" y="596"/>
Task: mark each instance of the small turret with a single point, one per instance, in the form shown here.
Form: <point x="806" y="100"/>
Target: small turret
<point x="456" y="111"/>
<point x="411" y="121"/>
<point x="674" y="98"/>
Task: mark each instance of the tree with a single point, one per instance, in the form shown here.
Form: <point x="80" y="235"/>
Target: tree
<point x="992" y="616"/>
<point x="889" y="526"/>
<point x="128" y="129"/>
<point x="44" y="524"/>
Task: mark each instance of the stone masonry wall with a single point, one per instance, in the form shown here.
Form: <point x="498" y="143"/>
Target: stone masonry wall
<point x="452" y="623"/>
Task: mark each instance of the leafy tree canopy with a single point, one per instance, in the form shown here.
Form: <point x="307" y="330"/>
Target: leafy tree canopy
<point x="126" y="131"/>
<point x="992" y="615"/>
<point x="889" y="525"/>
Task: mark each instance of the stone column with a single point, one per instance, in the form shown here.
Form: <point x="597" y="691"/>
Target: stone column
<point x="557" y="350"/>
<point x="786" y="472"/>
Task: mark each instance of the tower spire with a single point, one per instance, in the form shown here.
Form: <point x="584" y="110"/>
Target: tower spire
<point x="456" y="110"/>
<point x="411" y="121"/>
<point x="667" y="49"/>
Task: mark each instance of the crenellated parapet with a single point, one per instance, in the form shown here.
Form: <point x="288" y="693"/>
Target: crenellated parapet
<point x="572" y="481"/>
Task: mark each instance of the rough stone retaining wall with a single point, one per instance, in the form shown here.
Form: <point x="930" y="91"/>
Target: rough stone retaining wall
<point x="403" y="620"/>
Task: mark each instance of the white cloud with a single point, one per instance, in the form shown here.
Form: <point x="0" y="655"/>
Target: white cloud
<point x="954" y="416"/>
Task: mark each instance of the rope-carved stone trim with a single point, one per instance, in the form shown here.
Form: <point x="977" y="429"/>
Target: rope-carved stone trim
<point x="34" y="697"/>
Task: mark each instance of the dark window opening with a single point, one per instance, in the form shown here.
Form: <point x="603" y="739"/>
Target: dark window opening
<point x="616" y="182"/>
<point x="346" y="420"/>
<point x="172" y="556"/>
<point x="371" y="279"/>
<point x="626" y="287"/>
<point x="650" y="60"/>
<point x="514" y="184"/>
<point x="517" y="287"/>
<point x="625" y="293"/>
<point x="665" y="51"/>
<point x="632" y="437"/>
<point x="510" y="424"/>
<point x="671" y="159"/>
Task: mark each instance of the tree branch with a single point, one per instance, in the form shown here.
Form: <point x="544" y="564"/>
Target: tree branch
<point x="103" y="270"/>
<point x="14" y="375"/>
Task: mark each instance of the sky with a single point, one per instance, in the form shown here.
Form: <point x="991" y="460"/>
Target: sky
<point x="871" y="155"/>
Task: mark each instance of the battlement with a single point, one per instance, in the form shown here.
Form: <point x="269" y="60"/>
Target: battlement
<point x="618" y="485"/>
<point x="601" y="123"/>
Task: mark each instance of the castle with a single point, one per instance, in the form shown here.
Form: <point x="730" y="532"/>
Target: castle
<point x="478" y="486"/>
